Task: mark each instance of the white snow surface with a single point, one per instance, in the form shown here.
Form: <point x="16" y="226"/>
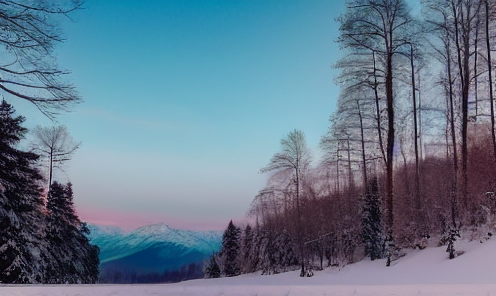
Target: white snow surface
<point x="426" y="272"/>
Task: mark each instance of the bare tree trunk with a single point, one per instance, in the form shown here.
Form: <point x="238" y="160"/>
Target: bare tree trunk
<point x="363" y="147"/>
<point x="489" y="73"/>
<point x="299" y="230"/>
<point x="420" y="118"/>
<point x="407" y="179"/>
<point x="337" y="171"/>
<point x="454" y="193"/>
<point x="50" y="170"/>
<point x="378" y="111"/>
<point x="463" y="68"/>
<point x="417" y="172"/>
<point x="476" y="82"/>
<point x="390" y="140"/>
<point x="350" y="176"/>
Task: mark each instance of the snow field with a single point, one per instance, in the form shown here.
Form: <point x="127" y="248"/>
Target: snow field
<point x="426" y="272"/>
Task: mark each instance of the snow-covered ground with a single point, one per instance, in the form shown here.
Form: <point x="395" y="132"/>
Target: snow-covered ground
<point x="426" y="272"/>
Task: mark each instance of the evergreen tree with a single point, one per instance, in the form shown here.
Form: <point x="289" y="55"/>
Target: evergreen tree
<point x="372" y="235"/>
<point x="76" y="259"/>
<point x="254" y="253"/>
<point x="247" y="246"/>
<point x="286" y="255"/>
<point x="213" y="269"/>
<point x="230" y="250"/>
<point x="23" y="251"/>
<point x="266" y="259"/>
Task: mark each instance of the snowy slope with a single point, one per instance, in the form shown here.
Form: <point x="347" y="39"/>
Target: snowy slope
<point x="153" y="248"/>
<point x="427" y="272"/>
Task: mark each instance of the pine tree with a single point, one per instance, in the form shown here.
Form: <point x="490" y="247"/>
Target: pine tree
<point x="247" y="246"/>
<point x="286" y="251"/>
<point x="267" y="252"/>
<point x="213" y="269"/>
<point x="254" y="253"/>
<point x="77" y="260"/>
<point x="91" y="255"/>
<point x="231" y="249"/>
<point x="23" y="251"/>
<point x="372" y="235"/>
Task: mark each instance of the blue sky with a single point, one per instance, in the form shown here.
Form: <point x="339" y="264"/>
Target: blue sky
<point x="184" y="102"/>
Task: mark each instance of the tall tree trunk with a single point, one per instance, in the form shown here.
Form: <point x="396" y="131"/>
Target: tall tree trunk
<point x="454" y="193"/>
<point x="299" y="230"/>
<point x="50" y="170"/>
<point x="337" y="171"/>
<point x="420" y="118"/>
<point x="390" y="140"/>
<point x="463" y="55"/>
<point x="417" y="172"/>
<point x="476" y="81"/>
<point x="364" y="161"/>
<point x="489" y="73"/>
<point x="378" y="111"/>
<point x="350" y="176"/>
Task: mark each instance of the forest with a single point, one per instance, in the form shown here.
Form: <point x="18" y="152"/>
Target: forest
<point x="409" y="156"/>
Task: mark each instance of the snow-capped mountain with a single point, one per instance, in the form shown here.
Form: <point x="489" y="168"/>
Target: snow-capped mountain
<point x="153" y="248"/>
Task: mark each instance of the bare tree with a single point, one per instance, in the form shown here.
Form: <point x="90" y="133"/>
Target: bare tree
<point x="464" y="14"/>
<point x="383" y="28"/>
<point x="489" y="73"/>
<point x="440" y="24"/>
<point x="294" y="157"/>
<point x="56" y="144"/>
<point x="28" y="70"/>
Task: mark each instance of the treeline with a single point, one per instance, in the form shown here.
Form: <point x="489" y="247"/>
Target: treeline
<point x="187" y="272"/>
<point x="248" y="250"/>
<point x="409" y="157"/>
<point x="42" y="240"/>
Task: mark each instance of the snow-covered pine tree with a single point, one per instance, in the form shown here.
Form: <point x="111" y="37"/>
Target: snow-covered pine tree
<point x="267" y="252"/>
<point x="286" y="251"/>
<point x="76" y="259"/>
<point x="372" y="231"/>
<point x="247" y="245"/>
<point x="254" y="254"/>
<point x="91" y="260"/>
<point x="213" y="269"/>
<point x="23" y="251"/>
<point x="231" y="246"/>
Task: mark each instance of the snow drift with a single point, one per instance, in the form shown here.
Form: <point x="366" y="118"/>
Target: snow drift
<point x="426" y="272"/>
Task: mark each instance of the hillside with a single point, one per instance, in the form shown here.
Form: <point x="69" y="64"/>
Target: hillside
<point x="426" y="272"/>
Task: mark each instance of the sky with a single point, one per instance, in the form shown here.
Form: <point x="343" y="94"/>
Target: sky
<point x="185" y="101"/>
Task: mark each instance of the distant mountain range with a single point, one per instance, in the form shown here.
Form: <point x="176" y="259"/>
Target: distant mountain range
<point x="152" y="249"/>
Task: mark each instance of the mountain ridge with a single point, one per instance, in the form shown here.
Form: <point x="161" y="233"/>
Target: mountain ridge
<point x="154" y="248"/>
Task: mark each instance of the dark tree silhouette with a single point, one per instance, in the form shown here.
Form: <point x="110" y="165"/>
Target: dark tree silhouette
<point x="231" y="247"/>
<point x="213" y="269"/>
<point x="29" y="31"/>
<point x="76" y="259"/>
<point x="22" y="259"/>
<point x="372" y="230"/>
